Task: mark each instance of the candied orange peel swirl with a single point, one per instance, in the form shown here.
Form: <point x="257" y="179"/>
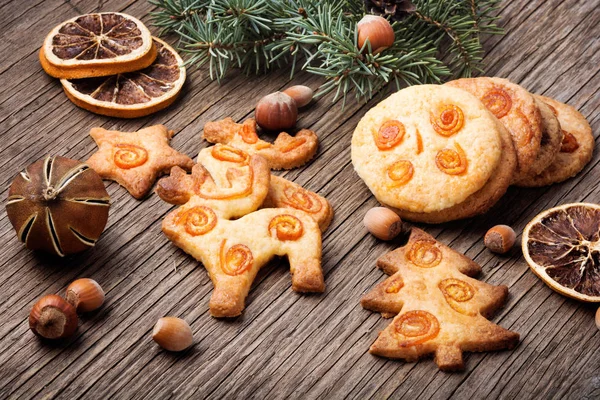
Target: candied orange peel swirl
<point x="198" y="220"/>
<point x="452" y="162"/>
<point x="286" y="227"/>
<point x="230" y="154"/>
<point x="448" y="120"/>
<point x="237" y="260"/>
<point x="416" y="327"/>
<point x="498" y="102"/>
<point x="130" y="156"/>
<point x="400" y="172"/>
<point x="424" y="254"/>
<point x="456" y="291"/>
<point x="390" y="134"/>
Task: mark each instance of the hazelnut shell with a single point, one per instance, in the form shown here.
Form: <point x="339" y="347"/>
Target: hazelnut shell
<point x="85" y="295"/>
<point x="58" y="205"/>
<point x="53" y="318"/>
<point x="276" y="112"/>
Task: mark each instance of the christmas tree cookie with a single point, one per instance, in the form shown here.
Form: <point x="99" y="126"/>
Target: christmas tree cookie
<point x="439" y="308"/>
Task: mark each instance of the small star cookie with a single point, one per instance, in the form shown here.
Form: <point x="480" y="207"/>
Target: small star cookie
<point x="135" y="159"/>
<point x="286" y="152"/>
<point x="439" y="308"/>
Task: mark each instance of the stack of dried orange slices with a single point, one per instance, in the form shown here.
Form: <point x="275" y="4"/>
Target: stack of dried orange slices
<point x="110" y="64"/>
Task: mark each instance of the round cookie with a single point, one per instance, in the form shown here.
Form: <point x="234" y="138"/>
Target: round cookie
<point x="426" y="148"/>
<point x="552" y="138"/>
<point x="576" y="150"/>
<point x="482" y="200"/>
<point x="515" y="107"/>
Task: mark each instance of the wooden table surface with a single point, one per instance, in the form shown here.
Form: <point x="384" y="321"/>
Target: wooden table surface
<point x="285" y="345"/>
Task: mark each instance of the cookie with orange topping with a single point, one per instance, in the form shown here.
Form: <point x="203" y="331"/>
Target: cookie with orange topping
<point x="427" y="148"/>
<point x="517" y="110"/>
<point x="220" y="225"/>
<point x="136" y="159"/>
<point x="286" y="152"/>
<point x="576" y="149"/>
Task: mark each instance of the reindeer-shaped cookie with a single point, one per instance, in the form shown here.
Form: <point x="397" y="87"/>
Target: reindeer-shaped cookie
<point x="228" y="183"/>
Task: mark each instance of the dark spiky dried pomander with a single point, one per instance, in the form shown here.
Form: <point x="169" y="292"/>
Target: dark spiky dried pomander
<point x="58" y="205"/>
<point x="396" y="9"/>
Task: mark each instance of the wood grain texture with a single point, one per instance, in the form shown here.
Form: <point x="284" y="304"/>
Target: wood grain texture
<point x="285" y="345"/>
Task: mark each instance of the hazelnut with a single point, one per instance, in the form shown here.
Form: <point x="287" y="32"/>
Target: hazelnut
<point x="301" y="94"/>
<point x="379" y="32"/>
<point x="383" y="223"/>
<point x="85" y="295"/>
<point x="598" y="318"/>
<point x="500" y="239"/>
<point x="276" y="112"/>
<point x="173" y="334"/>
<point x="53" y="318"/>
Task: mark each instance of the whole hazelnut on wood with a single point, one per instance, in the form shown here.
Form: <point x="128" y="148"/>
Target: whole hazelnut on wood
<point x="301" y="94"/>
<point x="173" y="334"/>
<point x="58" y="205"/>
<point x="53" y="318"/>
<point x="379" y="32"/>
<point x="598" y="318"/>
<point x="85" y="295"/>
<point x="276" y="112"/>
<point x="500" y="239"/>
<point x="383" y="223"/>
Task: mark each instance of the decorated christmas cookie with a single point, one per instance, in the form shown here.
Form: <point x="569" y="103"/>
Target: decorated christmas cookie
<point x="576" y="148"/>
<point x="233" y="184"/>
<point x="135" y="159"/>
<point x="439" y="308"/>
<point x="286" y="152"/>
<point x="517" y="110"/>
<point x="426" y="148"/>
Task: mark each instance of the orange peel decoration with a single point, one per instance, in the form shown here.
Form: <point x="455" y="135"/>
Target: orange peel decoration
<point x="424" y="254"/>
<point x="456" y="291"/>
<point x="401" y="172"/>
<point x="569" y="143"/>
<point x="237" y="260"/>
<point x="452" y="162"/>
<point x="419" y="143"/>
<point x="130" y="156"/>
<point x="416" y="327"/>
<point x="302" y="200"/>
<point x="286" y="227"/>
<point x="248" y="134"/>
<point x="199" y="220"/>
<point x="498" y="102"/>
<point x="448" y="121"/>
<point x="243" y="191"/>
<point x="294" y="144"/>
<point x="389" y="135"/>
<point x="230" y="154"/>
<point x="395" y="285"/>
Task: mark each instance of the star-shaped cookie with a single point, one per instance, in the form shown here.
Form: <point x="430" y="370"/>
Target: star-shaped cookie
<point x="136" y="159"/>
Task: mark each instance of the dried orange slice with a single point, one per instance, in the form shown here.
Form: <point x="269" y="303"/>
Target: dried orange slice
<point x="562" y="247"/>
<point x="132" y="94"/>
<point x="98" y="44"/>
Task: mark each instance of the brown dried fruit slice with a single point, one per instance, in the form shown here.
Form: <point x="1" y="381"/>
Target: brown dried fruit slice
<point x="562" y="247"/>
<point x="98" y="44"/>
<point x="133" y="94"/>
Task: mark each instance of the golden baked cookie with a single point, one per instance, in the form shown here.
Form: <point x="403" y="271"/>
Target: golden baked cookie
<point x="576" y="148"/>
<point x="482" y="200"/>
<point x="439" y="308"/>
<point x="286" y="194"/>
<point x="233" y="184"/>
<point x="426" y="148"/>
<point x="135" y="159"/>
<point x="515" y="107"/>
<point x="286" y="152"/>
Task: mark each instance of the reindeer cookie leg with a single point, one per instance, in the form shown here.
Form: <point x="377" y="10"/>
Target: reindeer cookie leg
<point x="307" y="275"/>
<point x="229" y="296"/>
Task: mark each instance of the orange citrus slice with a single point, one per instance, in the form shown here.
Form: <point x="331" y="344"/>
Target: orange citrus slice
<point x="132" y="94"/>
<point x="562" y="247"/>
<point x="98" y="44"/>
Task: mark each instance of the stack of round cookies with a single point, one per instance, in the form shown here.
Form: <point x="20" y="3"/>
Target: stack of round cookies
<point x="440" y="153"/>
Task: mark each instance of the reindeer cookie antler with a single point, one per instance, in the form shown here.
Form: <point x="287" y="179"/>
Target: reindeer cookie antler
<point x="230" y="184"/>
<point x="286" y="152"/>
